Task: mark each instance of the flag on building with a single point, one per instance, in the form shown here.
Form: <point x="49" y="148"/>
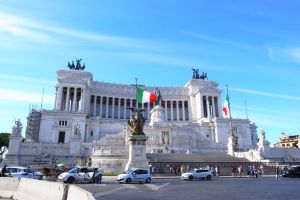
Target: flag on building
<point x="144" y="96"/>
<point x="226" y="109"/>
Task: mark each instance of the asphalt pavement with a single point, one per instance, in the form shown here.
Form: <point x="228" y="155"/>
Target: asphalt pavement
<point x="222" y="188"/>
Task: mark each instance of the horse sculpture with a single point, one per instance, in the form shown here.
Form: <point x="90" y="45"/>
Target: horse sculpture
<point x="77" y="66"/>
<point x="197" y="76"/>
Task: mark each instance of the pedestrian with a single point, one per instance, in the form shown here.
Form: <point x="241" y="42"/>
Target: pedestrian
<point x="3" y="170"/>
<point x="277" y="172"/>
<point x="240" y="171"/>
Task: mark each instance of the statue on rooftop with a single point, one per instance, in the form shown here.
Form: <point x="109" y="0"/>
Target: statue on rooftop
<point x="78" y="65"/>
<point x="197" y="76"/>
<point x="195" y="73"/>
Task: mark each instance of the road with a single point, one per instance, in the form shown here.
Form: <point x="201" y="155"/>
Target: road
<point x="217" y="189"/>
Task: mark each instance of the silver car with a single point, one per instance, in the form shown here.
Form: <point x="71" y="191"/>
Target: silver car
<point x="134" y="175"/>
<point x="199" y="174"/>
<point x="23" y="172"/>
<point x="82" y="174"/>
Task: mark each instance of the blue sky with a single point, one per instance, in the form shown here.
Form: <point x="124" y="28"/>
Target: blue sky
<point x="253" y="46"/>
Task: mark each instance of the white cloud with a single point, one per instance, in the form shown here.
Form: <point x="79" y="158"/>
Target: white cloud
<point x="222" y="41"/>
<point x="25" y="97"/>
<point x="25" y="79"/>
<point x="284" y="54"/>
<point x="256" y="92"/>
<point x="20" y="26"/>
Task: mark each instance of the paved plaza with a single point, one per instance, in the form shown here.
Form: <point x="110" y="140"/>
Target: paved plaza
<point x="223" y="188"/>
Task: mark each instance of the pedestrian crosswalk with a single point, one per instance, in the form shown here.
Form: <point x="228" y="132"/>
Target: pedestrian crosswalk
<point x="151" y="186"/>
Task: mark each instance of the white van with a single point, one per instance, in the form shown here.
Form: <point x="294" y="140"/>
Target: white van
<point x="134" y="175"/>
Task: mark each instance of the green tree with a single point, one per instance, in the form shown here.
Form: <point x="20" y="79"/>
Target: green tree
<point x="4" y="141"/>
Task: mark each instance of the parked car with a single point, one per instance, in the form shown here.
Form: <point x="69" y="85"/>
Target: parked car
<point x="23" y="172"/>
<point x="292" y="171"/>
<point x="197" y="174"/>
<point x="135" y="175"/>
<point x="82" y="174"/>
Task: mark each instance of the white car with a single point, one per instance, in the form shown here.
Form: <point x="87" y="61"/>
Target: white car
<point x="82" y="174"/>
<point x="197" y="174"/>
<point x="135" y="175"/>
<point x="23" y="172"/>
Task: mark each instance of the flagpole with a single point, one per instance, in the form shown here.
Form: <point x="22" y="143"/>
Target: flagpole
<point x="230" y="118"/>
<point x="246" y="109"/>
<point x="136" y="86"/>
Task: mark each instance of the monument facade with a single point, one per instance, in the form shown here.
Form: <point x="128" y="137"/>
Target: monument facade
<point x="90" y="121"/>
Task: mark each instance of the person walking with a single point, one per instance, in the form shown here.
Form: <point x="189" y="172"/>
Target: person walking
<point x="277" y="172"/>
<point x="3" y="170"/>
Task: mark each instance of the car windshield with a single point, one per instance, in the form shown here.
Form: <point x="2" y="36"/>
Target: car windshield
<point x="73" y="170"/>
<point x="127" y="172"/>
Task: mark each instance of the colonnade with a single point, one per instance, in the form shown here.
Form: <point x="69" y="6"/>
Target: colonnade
<point x="69" y="99"/>
<point x="210" y="107"/>
<point x="116" y="108"/>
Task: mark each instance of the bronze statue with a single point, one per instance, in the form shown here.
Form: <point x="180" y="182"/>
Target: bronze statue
<point x="136" y="122"/>
<point x="203" y="76"/>
<point x="78" y="65"/>
<point x="197" y="76"/>
<point x="195" y="73"/>
<point x="158" y="96"/>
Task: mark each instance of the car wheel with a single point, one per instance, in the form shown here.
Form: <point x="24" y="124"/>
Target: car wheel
<point x="148" y="180"/>
<point x="71" y="179"/>
<point x="191" y="178"/>
<point x="96" y="179"/>
<point x="208" y="177"/>
<point x="128" y="180"/>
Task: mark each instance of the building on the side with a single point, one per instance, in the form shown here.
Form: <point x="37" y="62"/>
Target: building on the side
<point x="288" y="141"/>
<point x="89" y="124"/>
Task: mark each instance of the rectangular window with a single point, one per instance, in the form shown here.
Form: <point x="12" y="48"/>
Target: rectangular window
<point x="61" y="137"/>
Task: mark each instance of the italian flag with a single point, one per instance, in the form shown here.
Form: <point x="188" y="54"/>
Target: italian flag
<point x="226" y="108"/>
<point x="144" y="96"/>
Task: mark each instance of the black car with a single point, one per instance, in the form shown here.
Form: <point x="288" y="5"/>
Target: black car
<point x="292" y="171"/>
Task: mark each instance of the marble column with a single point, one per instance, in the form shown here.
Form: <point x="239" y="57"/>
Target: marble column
<point x="82" y="99"/>
<point x="55" y="102"/>
<point x="59" y="98"/>
<point x="101" y="104"/>
<point x="183" y="110"/>
<point x="201" y="106"/>
<point x="67" y="99"/>
<point x="107" y="102"/>
<point x="207" y="107"/>
<point x="74" y="107"/>
<point x="125" y="104"/>
<point x="119" y="107"/>
<point x="95" y="106"/>
<point x="113" y="108"/>
<point x="213" y="107"/>
<point x="171" y="110"/>
<point x="177" y="110"/>
<point x="216" y="107"/>
<point x="166" y="110"/>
